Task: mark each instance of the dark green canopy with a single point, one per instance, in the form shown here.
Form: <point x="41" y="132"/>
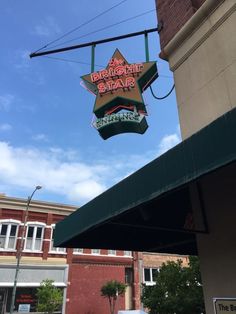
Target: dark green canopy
<point x="151" y="209"/>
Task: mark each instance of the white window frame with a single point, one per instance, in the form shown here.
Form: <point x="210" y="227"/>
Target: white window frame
<point x="128" y="253"/>
<point x="9" y="223"/>
<point x="151" y="282"/>
<point x="112" y="252"/>
<point x="95" y="251"/>
<point x="53" y="249"/>
<point x="78" y="251"/>
<point x="35" y="225"/>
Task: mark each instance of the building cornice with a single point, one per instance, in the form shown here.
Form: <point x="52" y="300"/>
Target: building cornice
<point x="208" y="7"/>
<point x="7" y="202"/>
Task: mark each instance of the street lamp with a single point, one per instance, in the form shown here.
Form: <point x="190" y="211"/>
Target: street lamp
<point x="19" y="252"/>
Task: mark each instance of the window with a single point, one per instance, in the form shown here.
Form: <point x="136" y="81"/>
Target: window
<point x="149" y="276"/>
<point x="95" y="251"/>
<point x="52" y="247"/>
<point x="8" y="232"/>
<point x="34" y="238"/>
<point x="112" y="252"/>
<point x="127" y="253"/>
<point x="129" y="276"/>
<point x="78" y="251"/>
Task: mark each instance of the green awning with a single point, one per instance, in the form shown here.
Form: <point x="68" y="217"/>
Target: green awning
<point x="151" y="209"/>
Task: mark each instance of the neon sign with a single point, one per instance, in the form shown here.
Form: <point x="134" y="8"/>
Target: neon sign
<point x="118" y="88"/>
<point x="118" y="117"/>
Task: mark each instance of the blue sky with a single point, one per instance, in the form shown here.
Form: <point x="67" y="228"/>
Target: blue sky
<point x="46" y="137"/>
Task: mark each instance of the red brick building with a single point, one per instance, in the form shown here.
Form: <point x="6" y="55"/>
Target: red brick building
<point x="173" y="15"/>
<point x="79" y="272"/>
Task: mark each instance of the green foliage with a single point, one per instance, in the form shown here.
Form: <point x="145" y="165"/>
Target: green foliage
<point x="178" y="289"/>
<point x="49" y="297"/>
<point x="111" y="290"/>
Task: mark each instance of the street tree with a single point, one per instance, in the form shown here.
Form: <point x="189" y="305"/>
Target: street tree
<point x="49" y="297"/>
<point x="178" y="289"/>
<point x="111" y="290"/>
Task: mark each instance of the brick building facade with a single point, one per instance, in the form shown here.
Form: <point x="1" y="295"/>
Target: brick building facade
<point x="79" y="272"/>
<point x="173" y="15"/>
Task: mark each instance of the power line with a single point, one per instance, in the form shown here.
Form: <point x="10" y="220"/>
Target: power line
<point x="87" y="63"/>
<point x="80" y="26"/>
<point x="104" y="28"/>
<point x="72" y="61"/>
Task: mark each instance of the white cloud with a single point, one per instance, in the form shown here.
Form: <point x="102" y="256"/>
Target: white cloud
<point x="5" y="127"/>
<point x="126" y="166"/>
<point x="86" y="189"/>
<point x="40" y="137"/>
<point x="24" y="168"/>
<point x="23" y="59"/>
<point x="64" y="173"/>
<point x="167" y="142"/>
<point x="6" y="101"/>
<point x="48" y="27"/>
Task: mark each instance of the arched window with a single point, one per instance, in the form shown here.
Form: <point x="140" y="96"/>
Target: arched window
<point x="54" y="249"/>
<point x="128" y="253"/>
<point x="95" y="251"/>
<point x="78" y="251"/>
<point x="8" y="233"/>
<point x="34" y="236"/>
<point x="112" y="252"/>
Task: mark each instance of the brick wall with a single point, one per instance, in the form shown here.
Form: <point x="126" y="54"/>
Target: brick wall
<point x="86" y="280"/>
<point x="136" y="286"/>
<point x="87" y="272"/>
<point x="173" y="14"/>
<point x="156" y="260"/>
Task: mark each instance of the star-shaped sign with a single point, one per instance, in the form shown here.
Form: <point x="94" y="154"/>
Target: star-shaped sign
<point x="120" y="84"/>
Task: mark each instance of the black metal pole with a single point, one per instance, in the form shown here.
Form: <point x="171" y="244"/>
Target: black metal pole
<point x="102" y="41"/>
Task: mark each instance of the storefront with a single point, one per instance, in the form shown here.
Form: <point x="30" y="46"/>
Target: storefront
<point x="29" y="280"/>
